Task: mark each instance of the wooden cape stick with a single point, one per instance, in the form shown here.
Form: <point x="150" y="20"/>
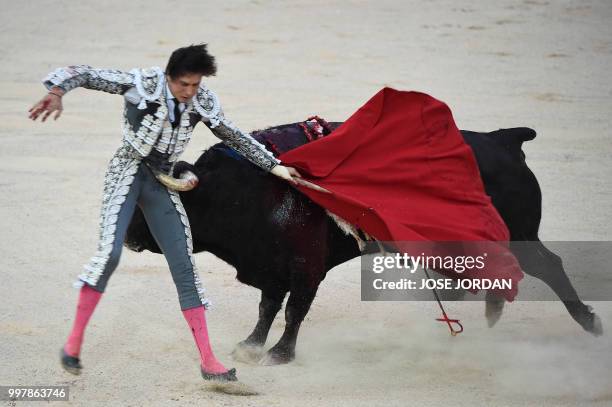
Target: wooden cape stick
<point x="310" y="185"/>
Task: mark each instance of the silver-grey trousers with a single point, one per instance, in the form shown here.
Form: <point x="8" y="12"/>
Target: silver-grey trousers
<point x="129" y="182"/>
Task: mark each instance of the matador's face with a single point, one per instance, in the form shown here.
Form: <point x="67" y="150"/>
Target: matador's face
<point x="184" y="87"/>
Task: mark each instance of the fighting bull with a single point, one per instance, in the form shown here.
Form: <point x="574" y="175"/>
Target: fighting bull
<point x="281" y="242"/>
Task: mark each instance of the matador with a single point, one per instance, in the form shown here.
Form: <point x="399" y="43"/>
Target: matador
<point x="161" y="109"/>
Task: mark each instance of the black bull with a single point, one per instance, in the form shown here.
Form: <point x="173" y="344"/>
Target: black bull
<point x="280" y="241"/>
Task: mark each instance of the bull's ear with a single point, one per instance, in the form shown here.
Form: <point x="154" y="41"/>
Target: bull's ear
<point x="182" y="166"/>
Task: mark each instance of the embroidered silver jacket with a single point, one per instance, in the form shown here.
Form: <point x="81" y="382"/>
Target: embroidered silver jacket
<point x="145" y="119"/>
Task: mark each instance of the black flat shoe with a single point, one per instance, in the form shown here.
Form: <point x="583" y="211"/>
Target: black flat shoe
<point x="70" y="363"/>
<point x="229" y="376"/>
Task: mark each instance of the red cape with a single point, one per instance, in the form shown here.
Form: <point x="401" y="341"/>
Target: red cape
<point x="400" y="170"/>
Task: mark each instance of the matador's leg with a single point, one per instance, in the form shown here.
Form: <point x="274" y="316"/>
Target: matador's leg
<point x="122" y="186"/>
<point x="169" y="226"/>
<point x="121" y="189"/>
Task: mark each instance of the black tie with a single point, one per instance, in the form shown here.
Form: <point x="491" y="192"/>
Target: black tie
<point x="177" y="114"/>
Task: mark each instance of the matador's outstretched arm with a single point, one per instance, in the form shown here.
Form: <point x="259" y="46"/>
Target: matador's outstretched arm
<point x="63" y="80"/>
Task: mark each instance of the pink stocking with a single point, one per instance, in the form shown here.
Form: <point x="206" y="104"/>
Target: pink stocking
<point x="88" y="299"/>
<point x="197" y="322"/>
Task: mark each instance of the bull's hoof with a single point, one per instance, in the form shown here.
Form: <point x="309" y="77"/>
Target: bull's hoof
<point x="247" y="353"/>
<point x="277" y="356"/>
<point x="493" y="310"/>
<point x="591" y="322"/>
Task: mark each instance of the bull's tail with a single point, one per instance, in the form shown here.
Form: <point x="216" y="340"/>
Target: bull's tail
<point x="516" y="134"/>
<point x="512" y="139"/>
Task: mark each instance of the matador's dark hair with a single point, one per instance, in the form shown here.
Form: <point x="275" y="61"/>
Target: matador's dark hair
<point x="191" y="59"/>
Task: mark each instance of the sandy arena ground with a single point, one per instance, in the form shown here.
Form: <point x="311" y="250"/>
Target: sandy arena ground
<point x="540" y="64"/>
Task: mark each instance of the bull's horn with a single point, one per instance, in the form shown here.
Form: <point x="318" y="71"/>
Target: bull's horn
<point x="183" y="183"/>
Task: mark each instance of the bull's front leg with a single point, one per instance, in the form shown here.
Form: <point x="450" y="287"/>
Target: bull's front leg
<point x="296" y="309"/>
<point x="251" y="349"/>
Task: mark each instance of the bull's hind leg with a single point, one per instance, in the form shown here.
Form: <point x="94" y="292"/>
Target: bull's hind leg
<point x="537" y="261"/>
<point x="493" y="308"/>
<point x="296" y="309"/>
<point x="251" y="349"/>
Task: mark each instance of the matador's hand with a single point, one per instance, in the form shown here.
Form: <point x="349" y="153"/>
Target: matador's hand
<point x="52" y="102"/>
<point x="287" y="173"/>
<point x="292" y="175"/>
